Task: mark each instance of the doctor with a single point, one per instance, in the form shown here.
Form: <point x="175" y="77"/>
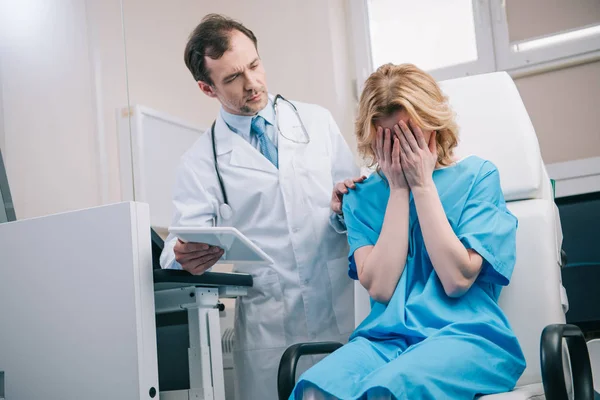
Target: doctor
<point x="267" y="167"/>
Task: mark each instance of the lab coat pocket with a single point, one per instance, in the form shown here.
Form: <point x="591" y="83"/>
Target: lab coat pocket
<point x="259" y="315"/>
<point x="314" y="174"/>
<point x="342" y="294"/>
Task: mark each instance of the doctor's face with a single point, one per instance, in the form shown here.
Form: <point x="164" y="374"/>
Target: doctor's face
<point x="238" y="77"/>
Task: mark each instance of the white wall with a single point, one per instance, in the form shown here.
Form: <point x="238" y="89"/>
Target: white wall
<point x="62" y="70"/>
<point x="108" y="60"/>
<point x="1" y="109"/>
<point x="563" y="106"/>
<point x="48" y="115"/>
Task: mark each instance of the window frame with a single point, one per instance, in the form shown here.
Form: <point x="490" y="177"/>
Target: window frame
<point x="494" y="49"/>
<point x="509" y="60"/>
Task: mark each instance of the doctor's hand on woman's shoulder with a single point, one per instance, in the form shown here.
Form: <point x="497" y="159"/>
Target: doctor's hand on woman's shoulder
<point x="196" y="258"/>
<point x="340" y="189"/>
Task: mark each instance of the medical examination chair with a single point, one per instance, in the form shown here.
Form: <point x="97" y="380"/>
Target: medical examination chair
<point x="494" y="125"/>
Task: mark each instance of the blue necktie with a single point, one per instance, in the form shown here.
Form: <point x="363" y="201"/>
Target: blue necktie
<point x="267" y="148"/>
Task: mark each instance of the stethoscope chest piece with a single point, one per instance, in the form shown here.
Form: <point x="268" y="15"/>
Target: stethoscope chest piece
<point x="225" y="211"/>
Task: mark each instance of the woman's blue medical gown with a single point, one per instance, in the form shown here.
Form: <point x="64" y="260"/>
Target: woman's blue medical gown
<point x="424" y="344"/>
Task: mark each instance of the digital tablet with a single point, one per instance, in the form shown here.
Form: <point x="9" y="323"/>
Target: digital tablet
<point x="238" y="248"/>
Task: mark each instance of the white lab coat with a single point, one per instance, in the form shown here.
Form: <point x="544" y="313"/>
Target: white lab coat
<point x="306" y="295"/>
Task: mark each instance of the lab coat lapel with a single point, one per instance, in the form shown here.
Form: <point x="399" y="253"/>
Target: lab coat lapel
<point x="288" y="149"/>
<point x="287" y="152"/>
<point x="243" y="155"/>
<point x="223" y="137"/>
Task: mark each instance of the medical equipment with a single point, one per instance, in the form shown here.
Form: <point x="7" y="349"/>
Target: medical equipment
<point x="102" y="304"/>
<point x="580" y="218"/>
<point x="85" y="312"/>
<point x="277" y="120"/>
<point x="225" y="210"/>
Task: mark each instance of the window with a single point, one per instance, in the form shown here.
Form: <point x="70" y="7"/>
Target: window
<point x="448" y="38"/>
<point x="534" y="32"/>
<point x="453" y="38"/>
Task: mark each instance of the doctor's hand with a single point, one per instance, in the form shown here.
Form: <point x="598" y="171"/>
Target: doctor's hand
<point x="387" y="151"/>
<point x="339" y="190"/>
<point x="196" y="258"/>
<point x="418" y="157"/>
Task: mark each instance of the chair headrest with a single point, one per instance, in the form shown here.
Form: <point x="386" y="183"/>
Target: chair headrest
<point x="494" y="124"/>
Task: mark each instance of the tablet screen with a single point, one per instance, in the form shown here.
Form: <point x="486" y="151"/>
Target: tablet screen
<point x="238" y="248"/>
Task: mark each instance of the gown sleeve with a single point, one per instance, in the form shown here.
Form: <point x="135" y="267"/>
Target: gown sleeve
<point x="489" y="228"/>
<point x="360" y="233"/>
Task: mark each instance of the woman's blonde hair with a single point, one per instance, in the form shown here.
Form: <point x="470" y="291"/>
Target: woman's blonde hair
<point x="405" y="87"/>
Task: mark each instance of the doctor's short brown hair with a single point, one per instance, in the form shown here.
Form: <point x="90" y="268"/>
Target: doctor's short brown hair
<point x="211" y="39"/>
<point x="405" y="87"/>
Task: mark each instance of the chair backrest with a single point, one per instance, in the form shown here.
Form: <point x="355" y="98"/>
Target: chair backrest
<point x="494" y="125"/>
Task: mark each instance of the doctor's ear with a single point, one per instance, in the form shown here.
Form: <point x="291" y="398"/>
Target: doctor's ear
<point x="207" y="89"/>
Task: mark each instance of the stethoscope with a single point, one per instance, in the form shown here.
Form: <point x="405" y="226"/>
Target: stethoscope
<point x="225" y="210"/>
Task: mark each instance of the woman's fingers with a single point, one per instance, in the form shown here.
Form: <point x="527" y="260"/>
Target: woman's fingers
<point x="403" y="157"/>
<point x="418" y="133"/>
<point x="409" y="136"/>
<point x="406" y="150"/>
<point x="387" y="150"/>
<point x="398" y="131"/>
<point x="396" y="151"/>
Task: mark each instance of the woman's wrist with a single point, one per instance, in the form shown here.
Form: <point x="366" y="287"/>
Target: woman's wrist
<point x="425" y="189"/>
<point x="399" y="191"/>
<point x="399" y="184"/>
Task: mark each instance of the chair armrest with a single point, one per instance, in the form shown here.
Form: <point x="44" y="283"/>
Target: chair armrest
<point x="551" y="356"/>
<point x="286" y="377"/>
